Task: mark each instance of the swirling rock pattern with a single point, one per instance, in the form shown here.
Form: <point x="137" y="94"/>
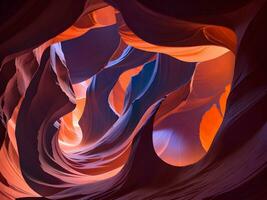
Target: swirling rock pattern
<point x="133" y="99"/>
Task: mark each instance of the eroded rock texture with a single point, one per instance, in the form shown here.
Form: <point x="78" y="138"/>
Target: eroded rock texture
<point x="134" y="99"/>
